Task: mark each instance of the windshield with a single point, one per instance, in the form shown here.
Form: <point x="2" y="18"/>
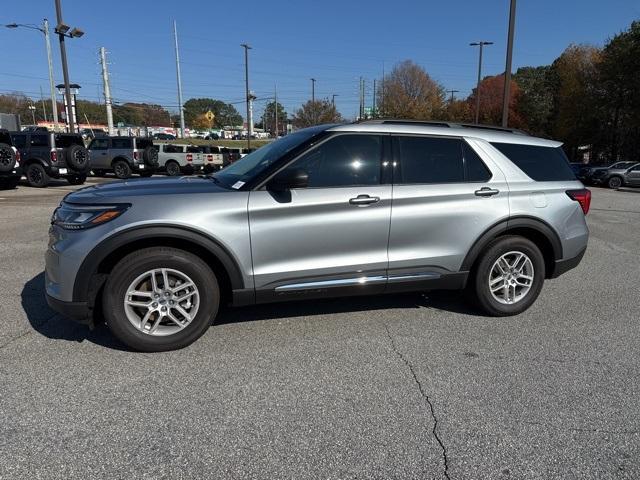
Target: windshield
<point x="238" y="173"/>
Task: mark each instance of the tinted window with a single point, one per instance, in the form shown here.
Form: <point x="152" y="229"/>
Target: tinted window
<point x="430" y="160"/>
<point x="64" y="141"/>
<point x="19" y="141"/>
<point x="477" y="171"/>
<point x="344" y="160"/>
<point x="543" y="164"/>
<point x="99" y="144"/>
<point x="121" y="143"/>
<point x="39" y="140"/>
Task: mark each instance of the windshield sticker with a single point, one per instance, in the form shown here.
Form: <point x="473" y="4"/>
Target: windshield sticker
<point x="237" y="185"/>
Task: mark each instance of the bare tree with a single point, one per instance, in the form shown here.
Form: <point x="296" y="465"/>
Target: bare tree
<point x="316" y="113"/>
<point x="409" y="92"/>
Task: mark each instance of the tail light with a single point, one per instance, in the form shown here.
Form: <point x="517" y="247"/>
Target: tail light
<point x="17" y="158"/>
<point x="582" y="196"/>
<point x="189" y="157"/>
<point x="54" y="156"/>
<point x="135" y="154"/>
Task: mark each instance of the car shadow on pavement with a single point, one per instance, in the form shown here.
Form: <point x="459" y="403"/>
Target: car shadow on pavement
<point x="55" y="326"/>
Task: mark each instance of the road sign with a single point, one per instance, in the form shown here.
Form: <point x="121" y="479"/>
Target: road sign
<point x="210" y="116"/>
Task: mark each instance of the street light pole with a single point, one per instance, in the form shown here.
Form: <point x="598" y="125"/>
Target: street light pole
<point x="65" y="68"/>
<point x="175" y="37"/>
<point x="480" y="44"/>
<point x="313" y="99"/>
<point x="52" y="89"/>
<point x="507" y="70"/>
<point x="246" y="89"/>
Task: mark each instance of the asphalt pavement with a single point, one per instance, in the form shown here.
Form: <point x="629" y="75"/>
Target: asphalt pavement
<point x="388" y="387"/>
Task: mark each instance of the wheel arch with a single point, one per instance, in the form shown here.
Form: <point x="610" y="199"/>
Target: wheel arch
<point x="534" y="229"/>
<point x="97" y="265"/>
<point x="121" y="158"/>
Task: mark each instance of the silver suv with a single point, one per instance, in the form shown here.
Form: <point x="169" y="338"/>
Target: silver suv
<point x="367" y="208"/>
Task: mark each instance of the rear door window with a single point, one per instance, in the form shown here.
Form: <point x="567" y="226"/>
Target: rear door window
<point x="121" y="143"/>
<point x="430" y="160"/>
<point x="99" y="144"/>
<point x="39" y="140"/>
<point x="542" y="164"/>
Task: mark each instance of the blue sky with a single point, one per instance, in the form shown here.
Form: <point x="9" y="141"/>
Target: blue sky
<point x="335" y="42"/>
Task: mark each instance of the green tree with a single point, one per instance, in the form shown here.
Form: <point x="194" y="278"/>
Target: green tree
<point x="269" y="117"/>
<point x="409" y="92"/>
<point x="535" y="103"/>
<point x="619" y="94"/>
<point x="316" y="113"/>
<point x="225" y="113"/>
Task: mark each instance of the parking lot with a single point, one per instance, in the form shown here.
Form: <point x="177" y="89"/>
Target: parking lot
<point x="406" y="386"/>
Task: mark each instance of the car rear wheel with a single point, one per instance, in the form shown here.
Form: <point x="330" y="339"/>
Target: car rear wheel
<point x="121" y="169"/>
<point x="614" y="182"/>
<point x="173" y="169"/>
<point x="508" y="277"/>
<point x="160" y="299"/>
<point x="37" y="176"/>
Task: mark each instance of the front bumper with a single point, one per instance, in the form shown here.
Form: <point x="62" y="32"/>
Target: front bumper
<point x="77" y="311"/>
<point x="564" y="265"/>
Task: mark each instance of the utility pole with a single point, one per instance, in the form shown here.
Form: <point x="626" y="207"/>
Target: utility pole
<point x="107" y="89"/>
<point x="246" y="87"/>
<point x="32" y="107"/>
<point x="44" y="109"/>
<point x="180" y="107"/>
<point x="480" y="44"/>
<point x="333" y="99"/>
<point x="52" y="89"/>
<point x="452" y="92"/>
<point x="507" y="70"/>
<point x="65" y="69"/>
<point x="360" y="109"/>
<point x="313" y="100"/>
<point x="275" y="109"/>
<point x="373" y="103"/>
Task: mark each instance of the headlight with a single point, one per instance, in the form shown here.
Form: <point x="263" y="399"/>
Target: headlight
<point x="80" y="217"/>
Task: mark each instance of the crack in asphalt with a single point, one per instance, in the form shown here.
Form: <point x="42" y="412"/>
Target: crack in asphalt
<point x="27" y="332"/>
<point x="426" y="399"/>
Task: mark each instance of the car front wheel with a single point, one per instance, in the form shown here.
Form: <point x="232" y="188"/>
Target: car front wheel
<point x="508" y="277"/>
<point x="160" y="299"/>
<point x="614" y="182"/>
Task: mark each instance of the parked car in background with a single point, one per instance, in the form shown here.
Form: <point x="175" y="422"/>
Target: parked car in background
<point x="214" y="159"/>
<point x="10" y="169"/>
<point x="212" y="136"/>
<point x="47" y="155"/>
<point x="179" y="159"/>
<point x="163" y="136"/>
<point x="332" y="210"/>
<point x="124" y="156"/>
<point x="90" y="133"/>
<point x="631" y="177"/>
<point x="34" y="128"/>
<point x="612" y="176"/>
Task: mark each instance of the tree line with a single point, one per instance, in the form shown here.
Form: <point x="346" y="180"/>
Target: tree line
<point x="588" y="98"/>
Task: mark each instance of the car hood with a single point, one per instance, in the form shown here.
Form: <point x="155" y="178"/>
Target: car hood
<point x="144" y="187"/>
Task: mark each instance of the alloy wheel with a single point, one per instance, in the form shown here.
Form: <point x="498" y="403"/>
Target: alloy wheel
<point x="511" y="277"/>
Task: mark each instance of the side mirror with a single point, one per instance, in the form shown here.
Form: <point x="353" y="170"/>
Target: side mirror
<point x="289" y="179"/>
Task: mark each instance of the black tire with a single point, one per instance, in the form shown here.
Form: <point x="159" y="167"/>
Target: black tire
<point x="615" y="182"/>
<point x="150" y="156"/>
<point x="77" y="158"/>
<point x="37" y="176"/>
<point x="76" y="179"/>
<point x="122" y="169"/>
<point x="146" y="174"/>
<point x="480" y="275"/>
<point x="136" y="264"/>
<point x="173" y="168"/>
<point x="7" y="158"/>
<point x="9" y="183"/>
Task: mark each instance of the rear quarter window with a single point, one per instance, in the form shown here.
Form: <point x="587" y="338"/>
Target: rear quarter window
<point x="121" y="143"/>
<point x="542" y="164"/>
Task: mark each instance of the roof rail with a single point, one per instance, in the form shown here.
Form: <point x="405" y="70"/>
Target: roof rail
<point x="434" y="123"/>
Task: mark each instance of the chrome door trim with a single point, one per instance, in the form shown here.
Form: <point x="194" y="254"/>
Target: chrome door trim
<point x="342" y="282"/>
<point x="413" y="276"/>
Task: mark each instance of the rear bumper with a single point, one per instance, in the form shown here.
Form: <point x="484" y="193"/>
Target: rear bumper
<point x="77" y="311"/>
<point x="15" y="173"/>
<point x="563" y="266"/>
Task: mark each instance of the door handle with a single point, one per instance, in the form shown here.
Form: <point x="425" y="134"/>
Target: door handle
<point x="361" y="200"/>
<point x="487" y="192"/>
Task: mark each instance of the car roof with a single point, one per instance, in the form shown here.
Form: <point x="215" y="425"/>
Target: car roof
<point x="485" y="132"/>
